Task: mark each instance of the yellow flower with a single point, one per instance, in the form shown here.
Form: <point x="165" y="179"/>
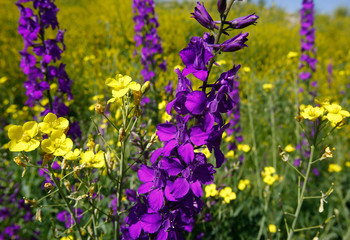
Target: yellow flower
<point x="246" y="69"/>
<point x="178" y="67"/>
<point x="72" y="155"/>
<point x="311" y="113"/>
<point x="52" y="123"/>
<point x="322" y="101"/>
<point x="121" y="86"/>
<point x="243" y="183"/>
<point x="347" y="164"/>
<point x="57" y="144"/>
<point x="269" y="176"/>
<point x="166" y="117"/>
<point x="93" y="160"/>
<point x="333" y="167"/>
<point x="243" y="147"/>
<point x="292" y="54"/>
<point x="22" y="137"/>
<point x="289" y="148"/>
<point x="162" y="105"/>
<point x="227" y="194"/>
<point x="335" y="113"/>
<point x="69" y="237"/>
<point x="210" y="190"/>
<point x="3" y="80"/>
<point x="221" y="62"/>
<point x="267" y="87"/>
<point x="230" y="154"/>
<point x="272" y="228"/>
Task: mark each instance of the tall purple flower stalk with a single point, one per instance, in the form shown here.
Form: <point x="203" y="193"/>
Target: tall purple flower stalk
<point x="171" y="190"/>
<point x="146" y="25"/>
<point x="40" y="56"/>
<point x="308" y="50"/>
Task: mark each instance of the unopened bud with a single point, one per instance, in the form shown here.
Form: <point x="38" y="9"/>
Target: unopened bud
<point x="283" y="154"/>
<point x="46" y="158"/>
<point x="64" y="164"/>
<point x="19" y="162"/>
<point x="49" y="186"/>
<point x="31" y="202"/>
<point x="121" y="134"/>
<point x="145" y="87"/>
<point x="38" y="215"/>
<point x="67" y="185"/>
<point x="90" y="144"/>
<point x="221" y="6"/>
<point x="99" y="108"/>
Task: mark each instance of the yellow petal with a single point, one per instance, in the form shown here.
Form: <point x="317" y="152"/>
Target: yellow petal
<point x="31" y="128"/>
<point x="32" y="145"/>
<point x="50" y="117"/>
<point x="15" y="132"/>
<point x="46" y="146"/>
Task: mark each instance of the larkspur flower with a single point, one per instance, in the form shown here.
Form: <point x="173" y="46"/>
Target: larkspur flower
<point x="171" y="190"/>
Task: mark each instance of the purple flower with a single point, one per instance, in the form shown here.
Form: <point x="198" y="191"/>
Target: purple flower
<point x="67" y="218"/>
<point x="203" y="17"/>
<point x="221" y="6"/>
<point x="243" y="22"/>
<point x="234" y="44"/>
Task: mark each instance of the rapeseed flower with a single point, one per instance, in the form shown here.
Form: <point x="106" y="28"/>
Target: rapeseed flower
<point x="243" y="183"/>
<point x="121" y="86"/>
<point x="52" y="123"/>
<point x="57" y="144"/>
<point x="243" y="147"/>
<point x="22" y="137"/>
<point x="272" y="228"/>
<point x="289" y="148"/>
<point x="335" y="114"/>
<point x="333" y="167"/>
<point x="227" y="194"/>
<point x="312" y="113"/>
<point x="211" y="191"/>
<point x="93" y="160"/>
<point x="72" y="155"/>
<point x="269" y="176"/>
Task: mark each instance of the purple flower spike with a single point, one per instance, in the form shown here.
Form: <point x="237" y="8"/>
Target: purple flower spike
<point x="203" y="17"/>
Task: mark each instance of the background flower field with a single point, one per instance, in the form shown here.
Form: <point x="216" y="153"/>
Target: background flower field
<point x="255" y="191"/>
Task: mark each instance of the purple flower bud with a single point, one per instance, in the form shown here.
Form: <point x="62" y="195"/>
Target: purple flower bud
<point x="203" y="17"/>
<point x="235" y="44"/>
<point x="221" y="6"/>
<point x="243" y="22"/>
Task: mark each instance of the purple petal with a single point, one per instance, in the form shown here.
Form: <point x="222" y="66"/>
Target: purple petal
<point x="186" y="152"/>
<point x="135" y="230"/>
<point x="172" y="166"/>
<point x="151" y="222"/>
<point x="145" y="187"/>
<point x="196" y="188"/>
<point x="196" y="102"/>
<point x="219" y="156"/>
<point x="166" y="131"/>
<point x="146" y="174"/>
<point x="156" y="199"/>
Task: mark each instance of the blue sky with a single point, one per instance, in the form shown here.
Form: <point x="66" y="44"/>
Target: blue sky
<point x="321" y="6"/>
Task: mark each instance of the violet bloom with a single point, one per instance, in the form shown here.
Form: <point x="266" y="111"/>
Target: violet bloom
<point x="67" y="218"/>
<point x="146" y="35"/>
<point x="308" y="51"/>
<point x="243" y="22"/>
<point x="234" y="44"/>
<point x="203" y="17"/>
<point x="38" y="67"/>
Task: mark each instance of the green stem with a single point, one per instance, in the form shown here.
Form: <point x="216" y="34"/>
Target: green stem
<point x="65" y="199"/>
<point x="301" y="198"/>
<point x="262" y="223"/>
<point x="273" y="131"/>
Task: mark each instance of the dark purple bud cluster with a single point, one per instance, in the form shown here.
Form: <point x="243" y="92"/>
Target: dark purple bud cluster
<point x="146" y="25"/>
<point x="169" y="196"/>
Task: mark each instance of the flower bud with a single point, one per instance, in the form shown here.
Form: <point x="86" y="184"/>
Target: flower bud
<point x="121" y="134"/>
<point x="19" y="162"/>
<point x="49" y="186"/>
<point x="145" y="87"/>
<point x="221" y="6"/>
<point x="99" y="108"/>
<point x="47" y="157"/>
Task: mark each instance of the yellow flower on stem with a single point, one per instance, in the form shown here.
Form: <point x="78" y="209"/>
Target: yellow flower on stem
<point x="227" y="194"/>
<point x="272" y="228"/>
<point x="121" y="86"/>
<point x="333" y="167"/>
<point x="22" y="137"/>
<point x="289" y="148"/>
<point x="335" y="113"/>
<point x="57" y="144"/>
<point x="52" y="123"/>
<point x="243" y="183"/>
<point x="210" y="190"/>
<point x="93" y="160"/>
<point x="72" y="155"/>
<point x="312" y="113"/>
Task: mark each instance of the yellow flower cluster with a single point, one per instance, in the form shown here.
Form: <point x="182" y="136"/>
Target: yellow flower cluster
<point x="227" y="194"/>
<point x="269" y="176"/>
<point x="333" y="167"/>
<point x="332" y="112"/>
<point x="121" y="85"/>
<point x="243" y="183"/>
